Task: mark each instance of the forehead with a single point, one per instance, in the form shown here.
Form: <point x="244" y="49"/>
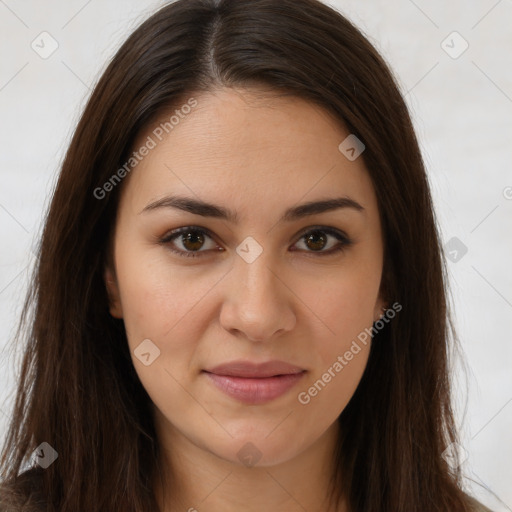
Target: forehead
<point x="246" y="145"/>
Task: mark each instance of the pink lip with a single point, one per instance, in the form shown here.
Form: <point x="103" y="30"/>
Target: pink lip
<point x="255" y="383"/>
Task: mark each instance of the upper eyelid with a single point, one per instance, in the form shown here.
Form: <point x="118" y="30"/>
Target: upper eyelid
<point x="332" y="231"/>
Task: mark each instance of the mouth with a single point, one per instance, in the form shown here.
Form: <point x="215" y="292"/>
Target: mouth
<point x="253" y="383"/>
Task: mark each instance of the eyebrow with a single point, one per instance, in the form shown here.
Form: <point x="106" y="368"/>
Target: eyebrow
<point x="294" y="213"/>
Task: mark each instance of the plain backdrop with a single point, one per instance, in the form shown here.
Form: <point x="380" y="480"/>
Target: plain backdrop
<point x="458" y="87"/>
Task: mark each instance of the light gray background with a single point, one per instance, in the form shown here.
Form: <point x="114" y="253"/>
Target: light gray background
<point x="462" y="110"/>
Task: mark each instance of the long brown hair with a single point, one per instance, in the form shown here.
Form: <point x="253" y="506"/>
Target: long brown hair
<point x="78" y="389"/>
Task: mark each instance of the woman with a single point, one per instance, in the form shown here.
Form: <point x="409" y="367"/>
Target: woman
<point x="240" y="296"/>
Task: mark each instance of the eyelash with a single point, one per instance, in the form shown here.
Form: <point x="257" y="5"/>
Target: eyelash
<point x="345" y="241"/>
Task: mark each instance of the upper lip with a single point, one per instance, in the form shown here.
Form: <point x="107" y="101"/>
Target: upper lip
<point x="249" y="369"/>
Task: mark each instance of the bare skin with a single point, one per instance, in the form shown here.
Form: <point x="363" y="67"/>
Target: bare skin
<point x="297" y="301"/>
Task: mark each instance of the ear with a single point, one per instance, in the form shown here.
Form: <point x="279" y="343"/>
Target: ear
<point x="380" y="308"/>
<point x="114" y="300"/>
<point x="382" y="302"/>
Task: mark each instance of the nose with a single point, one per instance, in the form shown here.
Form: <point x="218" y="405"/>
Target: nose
<point x="257" y="303"/>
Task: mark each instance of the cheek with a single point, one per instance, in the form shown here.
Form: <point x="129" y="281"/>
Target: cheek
<point x="344" y="305"/>
<point x="324" y="396"/>
<point x="148" y="288"/>
<point x="159" y="302"/>
<point x="341" y="345"/>
<point x="343" y="355"/>
<point x="162" y="306"/>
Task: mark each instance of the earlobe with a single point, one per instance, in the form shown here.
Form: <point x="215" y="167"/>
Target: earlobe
<point x="113" y="294"/>
<point x="380" y="310"/>
<point x="381" y="305"/>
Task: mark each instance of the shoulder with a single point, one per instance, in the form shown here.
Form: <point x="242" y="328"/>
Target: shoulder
<point x="476" y="506"/>
<point x="24" y="494"/>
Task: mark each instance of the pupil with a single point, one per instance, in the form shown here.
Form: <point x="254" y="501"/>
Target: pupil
<point x="191" y="238"/>
<point x="312" y="237"/>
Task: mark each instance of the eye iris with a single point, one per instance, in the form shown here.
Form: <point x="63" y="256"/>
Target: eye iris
<point x="192" y="237"/>
<point x="314" y="238"/>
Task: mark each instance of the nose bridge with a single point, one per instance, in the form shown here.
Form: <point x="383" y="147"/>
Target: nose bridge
<point x="257" y="303"/>
<point x="258" y="283"/>
<point x="252" y="267"/>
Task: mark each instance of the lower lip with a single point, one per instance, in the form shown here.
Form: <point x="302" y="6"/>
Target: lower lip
<point x="255" y="391"/>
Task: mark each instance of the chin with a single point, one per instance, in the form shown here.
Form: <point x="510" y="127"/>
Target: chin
<point x="256" y="451"/>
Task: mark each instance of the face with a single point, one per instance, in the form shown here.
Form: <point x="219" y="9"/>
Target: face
<point x="269" y="281"/>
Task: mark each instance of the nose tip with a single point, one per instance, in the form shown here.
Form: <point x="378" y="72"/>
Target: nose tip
<point x="257" y="329"/>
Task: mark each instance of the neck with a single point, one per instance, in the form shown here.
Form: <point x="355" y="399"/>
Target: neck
<point x="195" y="479"/>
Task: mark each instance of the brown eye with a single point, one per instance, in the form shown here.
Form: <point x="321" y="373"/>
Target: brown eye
<point x="318" y="239"/>
<point x="191" y="239"/>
